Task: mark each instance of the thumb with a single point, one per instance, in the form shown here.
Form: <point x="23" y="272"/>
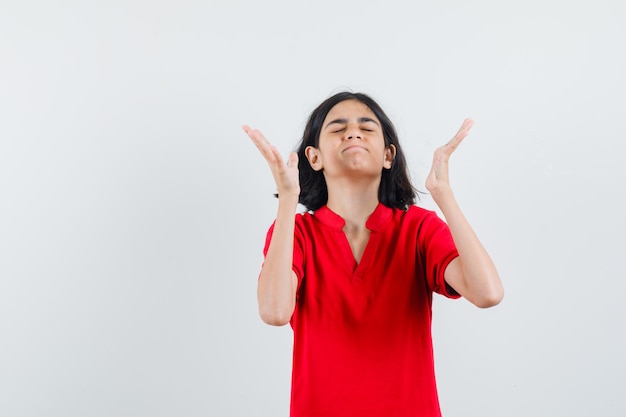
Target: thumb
<point x="293" y="160"/>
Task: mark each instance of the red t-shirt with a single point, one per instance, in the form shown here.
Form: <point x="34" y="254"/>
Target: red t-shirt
<point x="362" y="332"/>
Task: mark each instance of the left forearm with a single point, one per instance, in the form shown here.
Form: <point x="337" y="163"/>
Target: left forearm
<point x="473" y="274"/>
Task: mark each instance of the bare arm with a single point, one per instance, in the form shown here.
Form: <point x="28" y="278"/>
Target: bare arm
<point x="277" y="284"/>
<point x="472" y="274"/>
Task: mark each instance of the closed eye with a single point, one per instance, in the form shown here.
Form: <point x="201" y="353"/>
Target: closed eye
<point x="366" y="124"/>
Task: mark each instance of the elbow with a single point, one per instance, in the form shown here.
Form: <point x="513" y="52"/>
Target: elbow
<point x="275" y="317"/>
<point x="491" y="299"/>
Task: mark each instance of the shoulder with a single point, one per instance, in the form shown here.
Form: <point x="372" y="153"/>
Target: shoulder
<point x="415" y="214"/>
<point x="304" y="218"/>
<point x="300" y="220"/>
<point x="306" y="224"/>
<point x="425" y="223"/>
<point x="418" y="211"/>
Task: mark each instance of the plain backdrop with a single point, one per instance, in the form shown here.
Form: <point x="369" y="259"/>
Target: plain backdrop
<point x="133" y="208"/>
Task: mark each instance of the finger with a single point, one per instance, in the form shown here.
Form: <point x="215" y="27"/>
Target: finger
<point x="293" y="160"/>
<point x="255" y="135"/>
<point x="464" y="129"/>
<point x="276" y="157"/>
<point x="459" y="136"/>
<point x="268" y="151"/>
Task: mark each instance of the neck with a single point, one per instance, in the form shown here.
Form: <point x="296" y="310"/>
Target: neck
<point x="353" y="202"/>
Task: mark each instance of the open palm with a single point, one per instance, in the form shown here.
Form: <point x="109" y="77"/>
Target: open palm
<point x="285" y="174"/>
<point x="437" y="179"/>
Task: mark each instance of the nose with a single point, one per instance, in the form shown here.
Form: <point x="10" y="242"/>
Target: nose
<point x="353" y="133"/>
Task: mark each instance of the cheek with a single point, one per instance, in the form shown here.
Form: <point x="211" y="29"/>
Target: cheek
<point x="327" y="148"/>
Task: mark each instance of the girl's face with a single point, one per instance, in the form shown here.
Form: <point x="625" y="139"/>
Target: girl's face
<point x="351" y="142"/>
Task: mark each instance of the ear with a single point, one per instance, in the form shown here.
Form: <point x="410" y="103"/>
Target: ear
<point x="390" y="155"/>
<point x="313" y="155"/>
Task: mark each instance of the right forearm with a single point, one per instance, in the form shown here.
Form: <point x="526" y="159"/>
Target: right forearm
<point x="278" y="282"/>
<point x="277" y="286"/>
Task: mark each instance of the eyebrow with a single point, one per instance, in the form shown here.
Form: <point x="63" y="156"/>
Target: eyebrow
<point x="344" y="121"/>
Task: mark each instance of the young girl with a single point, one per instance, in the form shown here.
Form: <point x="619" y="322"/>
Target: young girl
<point x="354" y="276"/>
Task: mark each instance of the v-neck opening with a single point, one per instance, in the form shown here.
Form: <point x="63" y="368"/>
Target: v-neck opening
<point x="374" y="224"/>
<point x="349" y="253"/>
<point x="359" y="268"/>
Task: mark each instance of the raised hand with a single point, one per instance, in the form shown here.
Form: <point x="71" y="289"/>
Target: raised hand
<point x="285" y="174"/>
<point x="437" y="180"/>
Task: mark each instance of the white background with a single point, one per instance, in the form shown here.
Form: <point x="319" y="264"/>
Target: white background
<point x="133" y="208"/>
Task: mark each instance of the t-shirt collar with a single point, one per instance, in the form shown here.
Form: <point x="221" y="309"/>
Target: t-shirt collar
<point x="375" y="222"/>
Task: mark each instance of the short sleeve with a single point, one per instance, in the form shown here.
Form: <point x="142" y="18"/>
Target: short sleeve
<point x="437" y="250"/>
<point x="298" y="247"/>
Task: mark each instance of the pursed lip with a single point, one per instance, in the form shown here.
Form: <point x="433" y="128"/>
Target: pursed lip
<point x="354" y="147"/>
